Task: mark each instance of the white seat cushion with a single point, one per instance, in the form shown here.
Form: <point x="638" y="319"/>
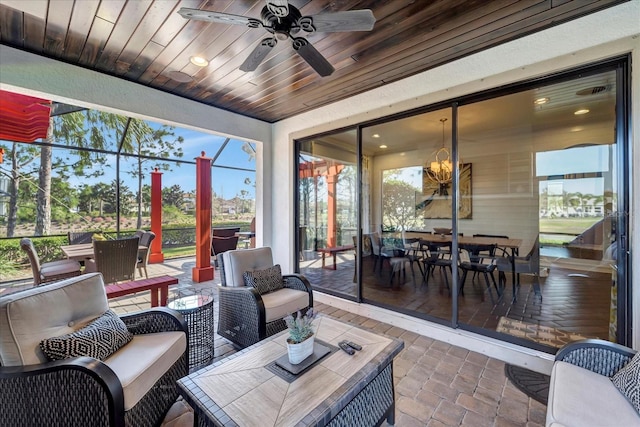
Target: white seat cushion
<point x="28" y="317"/>
<point x="282" y="302"/>
<point x="579" y="397"/>
<point x="238" y="261"/>
<point x="143" y="361"/>
<point x="59" y="267"/>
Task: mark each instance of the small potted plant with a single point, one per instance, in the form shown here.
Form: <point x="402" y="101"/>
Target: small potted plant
<point x="300" y="341"/>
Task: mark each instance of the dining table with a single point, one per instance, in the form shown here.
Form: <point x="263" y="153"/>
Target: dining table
<point x="82" y="251"/>
<point x="513" y="245"/>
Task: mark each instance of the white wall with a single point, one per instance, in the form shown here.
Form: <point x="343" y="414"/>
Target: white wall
<point x="601" y="35"/>
<point x="34" y="75"/>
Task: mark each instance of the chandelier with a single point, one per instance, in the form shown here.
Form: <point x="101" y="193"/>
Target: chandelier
<point x="440" y="170"/>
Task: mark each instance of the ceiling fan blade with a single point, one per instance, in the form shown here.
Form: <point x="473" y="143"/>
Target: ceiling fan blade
<point x="312" y="56"/>
<point x="349" y="20"/>
<point x="259" y="53"/>
<point x="279" y="8"/>
<point x="218" y="17"/>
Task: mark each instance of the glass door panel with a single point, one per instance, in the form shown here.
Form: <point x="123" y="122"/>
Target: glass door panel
<point x="407" y="224"/>
<point x="328" y="212"/>
<point x="543" y="168"/>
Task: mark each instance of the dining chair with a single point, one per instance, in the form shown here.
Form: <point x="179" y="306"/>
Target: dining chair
<point x="115" y="259"/>
<point x="529" y="264"/>
<point x="143" y="253"/>
<point x="437" y="255"/>
<point x="479" y="259"/>
<point x="48" y="271"/>
<point x="503" y="250"/>
<point x="380" y="253"/>
<point x="414" y="252"/>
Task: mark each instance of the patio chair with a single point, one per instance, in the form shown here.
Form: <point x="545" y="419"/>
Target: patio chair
<point x="93" y="382"/>
<point x="249" y="314"/>
<point x="143" y="253"/>
<point x="115" y="259"/>
<point x="223" y="240"/>
<point x="79" y="237"/>
<point x="48" y="271"/>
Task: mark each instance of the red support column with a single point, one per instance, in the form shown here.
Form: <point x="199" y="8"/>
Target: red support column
<point x="332" y="198"/>
<point x="203" y="270"/>
<point x="156" y="256"/>
<point x="332" y="231"/>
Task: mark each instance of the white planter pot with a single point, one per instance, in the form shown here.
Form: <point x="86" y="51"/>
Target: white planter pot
<point x="299" y="352"/>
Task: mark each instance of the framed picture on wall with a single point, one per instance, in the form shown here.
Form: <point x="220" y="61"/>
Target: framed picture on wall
<point x="434" y="202"/>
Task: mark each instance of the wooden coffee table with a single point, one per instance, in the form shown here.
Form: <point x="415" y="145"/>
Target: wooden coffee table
<point x="247" y="389"/>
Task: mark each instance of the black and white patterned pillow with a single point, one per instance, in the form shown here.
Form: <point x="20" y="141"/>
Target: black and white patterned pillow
<point x="627" y="380"/>
<point x="99" y="339"/>
<point x="264" y="281"/>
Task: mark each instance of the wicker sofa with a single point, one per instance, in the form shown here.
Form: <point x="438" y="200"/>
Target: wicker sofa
<point x="581" y="392"/>
<point x="135" y="386"/>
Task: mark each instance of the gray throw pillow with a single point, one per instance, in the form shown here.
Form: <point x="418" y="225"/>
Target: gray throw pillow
<point x="627" y="380"/>
<point x="99" y="339"/>
<point x="264" y="281"/>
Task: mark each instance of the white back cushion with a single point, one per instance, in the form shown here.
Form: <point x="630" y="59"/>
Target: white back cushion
<point x="47" y="311"/>
<point x="238" y="261"/>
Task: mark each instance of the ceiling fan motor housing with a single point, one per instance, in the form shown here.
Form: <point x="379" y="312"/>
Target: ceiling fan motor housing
<point x="281" y="27"/>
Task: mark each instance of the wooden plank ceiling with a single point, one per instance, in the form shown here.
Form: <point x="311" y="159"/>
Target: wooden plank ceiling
<point x="146" y="40"/>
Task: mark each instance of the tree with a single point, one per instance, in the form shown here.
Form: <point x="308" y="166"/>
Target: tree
<point x="145" y="142"/>
<point x="173" y="196"/>
<point x="43" y="200"/>
<point x="398" y="205"/>
<point x="21" y="155"/>
<point x="144" y="199"/>
<point x="126" y="198"/>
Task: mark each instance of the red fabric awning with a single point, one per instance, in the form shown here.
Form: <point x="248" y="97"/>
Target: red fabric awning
<point x="23" y="118"/>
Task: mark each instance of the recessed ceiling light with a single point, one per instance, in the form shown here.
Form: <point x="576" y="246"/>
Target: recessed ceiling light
<point x="383" y="146"/>
<point x="541" y="101"/>
<point x="581" y="111"/>
<point x="577" y="129"/>
<point x="199" y="61"/>
<point x="179" y="76"/>
<point x="375" y="135"/>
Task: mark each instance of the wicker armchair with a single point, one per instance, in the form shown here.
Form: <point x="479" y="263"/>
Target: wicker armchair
<point x="222" y="240"/>
<point x="124" y="389"/>
<point x="581" y="392"/>
<point x="245" y="316"/>
<point x="80" y="237"/>
<point x="48" y="271"/>
<point x="115" y="259"/>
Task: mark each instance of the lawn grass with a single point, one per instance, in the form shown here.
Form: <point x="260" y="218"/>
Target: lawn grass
<point x="571" y="226"/>
<point x="179" y="251"/>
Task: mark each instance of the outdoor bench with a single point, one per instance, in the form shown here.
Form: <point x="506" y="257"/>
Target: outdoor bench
<point x="333" y="251"/>
<point x="153" y="284"/>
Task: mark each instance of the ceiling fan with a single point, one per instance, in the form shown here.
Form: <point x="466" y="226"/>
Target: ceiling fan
<point x="284" y="21"/>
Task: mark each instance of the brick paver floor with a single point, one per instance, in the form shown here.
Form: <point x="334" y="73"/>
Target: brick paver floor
<point x="436" y="384"/>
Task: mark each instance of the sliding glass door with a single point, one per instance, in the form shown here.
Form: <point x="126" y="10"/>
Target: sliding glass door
<point x="501" y="213"/>
<point x="328" y="212"/>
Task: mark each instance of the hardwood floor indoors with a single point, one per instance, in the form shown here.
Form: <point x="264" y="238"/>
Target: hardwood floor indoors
<point x="574" y="305"/>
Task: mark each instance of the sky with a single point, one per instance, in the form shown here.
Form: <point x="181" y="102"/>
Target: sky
<point x="225" y="182"/>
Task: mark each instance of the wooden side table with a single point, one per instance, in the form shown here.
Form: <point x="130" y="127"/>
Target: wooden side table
<point x="197" y="311"/>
